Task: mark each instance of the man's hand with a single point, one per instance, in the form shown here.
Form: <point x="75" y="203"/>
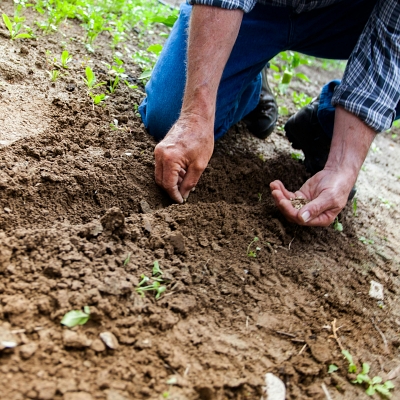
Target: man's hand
<point x="329" y="189"/>
<point x="183" y="155"/>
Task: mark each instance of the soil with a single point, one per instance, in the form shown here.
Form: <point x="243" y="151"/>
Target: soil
<point x="81" y="219"/>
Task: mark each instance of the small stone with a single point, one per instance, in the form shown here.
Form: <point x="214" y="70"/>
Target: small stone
<point x="147" y="225"/>
<point x="384" y="256"/>
<point x="7" y="339"/>
<point x="46" y="390"/>
<point x="78" y="396"/>
<point x="274" y="387"/>
<point x="215" y="247"/>
<point x="114" y="395"/>
<point x="65" y="385"/>
<point x="203" y="242"/>
<point x="7" y="210"/>
<point x="28" y="350"/>
<point x="110" y="340"/>
<point x="97" y="345"/>
<point x="144" y="205"/>
<point x="178" y="241"/>
<point x="75" y="340"/>
<point x="376" y="290"/>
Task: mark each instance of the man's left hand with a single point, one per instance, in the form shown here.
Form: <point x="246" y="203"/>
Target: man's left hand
<point x="327" y="192"/>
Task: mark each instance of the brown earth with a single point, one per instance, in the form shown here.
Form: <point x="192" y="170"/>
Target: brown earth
<point x="81" y="219"/>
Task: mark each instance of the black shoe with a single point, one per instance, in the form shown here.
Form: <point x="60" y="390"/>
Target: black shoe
<point x="261" y="121"/>
<point x="305" y="133"/>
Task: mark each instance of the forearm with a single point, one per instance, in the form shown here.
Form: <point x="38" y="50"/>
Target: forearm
<point x="351" y="141"/>
<point x="212" y="34"/>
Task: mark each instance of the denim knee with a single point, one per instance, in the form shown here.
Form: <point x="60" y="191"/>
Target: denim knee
<point x="157" y="116"/>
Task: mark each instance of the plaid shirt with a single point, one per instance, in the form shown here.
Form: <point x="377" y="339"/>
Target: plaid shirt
<point x="370" y="88"/>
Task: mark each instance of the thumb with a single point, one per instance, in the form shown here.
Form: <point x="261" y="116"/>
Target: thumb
<point x="319" y="212"/>
<point x="189" y="181"/>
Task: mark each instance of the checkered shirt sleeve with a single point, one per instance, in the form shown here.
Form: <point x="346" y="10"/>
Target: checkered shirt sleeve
<point x="245" y="5"/>
<point x="370" y="87"/>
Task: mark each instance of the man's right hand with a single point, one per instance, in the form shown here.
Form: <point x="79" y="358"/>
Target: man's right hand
<point x="183" y="155"/>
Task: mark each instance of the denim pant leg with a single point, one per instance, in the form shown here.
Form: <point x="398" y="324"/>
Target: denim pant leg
<point x="329" y="32"/>
<point x="326" y="112"/>
<point x="262" y="35"/>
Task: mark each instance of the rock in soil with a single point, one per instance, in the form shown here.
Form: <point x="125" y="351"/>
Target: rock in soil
<point x="110" y="340"/>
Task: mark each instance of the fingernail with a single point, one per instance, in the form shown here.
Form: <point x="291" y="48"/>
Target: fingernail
<point x="305" y="216"/>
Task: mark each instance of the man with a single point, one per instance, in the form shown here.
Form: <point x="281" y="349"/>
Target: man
<point x="208" y="78"/>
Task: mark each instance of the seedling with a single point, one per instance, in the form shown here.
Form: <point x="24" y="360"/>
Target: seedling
<point x="113" y="84"/>
<point x="297" y="156"/>
<point x="97" y="98"/>
<point x="352" y="367"/>
<point x="385" y="203"/>
<point x="253" y="253"/>
<point x="259" y="196"/>
<point x="372" y="385"/>
<point x="130" y="86"/>
<point x="156" y="269"/>
<point x="301" y="99"/>
<point x="90" y="80"/>
<point x="54" y="74"/>
<point x="375" y="148"/>
<point x="354" y="206"/>
<point x="15" y="26"/>
<point x="337" y="226"/>
<point x="65" y="59"/>
<point x="127" y="259"/>
<point x="76" y="317"/>
<point x="332" y="368"/>
<point x="156" y="286"/>
<point x="364" y="240"/>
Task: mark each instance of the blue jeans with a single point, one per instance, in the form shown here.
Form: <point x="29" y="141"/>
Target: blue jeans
<point x="329" y="32"/>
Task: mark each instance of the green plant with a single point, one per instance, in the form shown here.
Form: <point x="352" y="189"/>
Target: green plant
<point x="156" y="286"/>
<point x="385" y="203"/>
<point x="156" y="269"/>
<point x="337" y="226"/>
<point x="352" y="367"/>
<point x="97" y="98"/>
<point x="127" y="259"/>
<point x="76" y="317"/>
<point x="54" y="74"/>
<point x="284" y="73"/>
<point x="14" y="26"/>
<point x="253" y="253"/>
<point x="90" y="80"/>
<point x="354" y="206"/>
<point x="297" y="156"/>
<point x="332" y="368"/>
<point x="373" y="385"/>
<point x="301" y="99"/>
<point x="65" y="59"/>
<point x="364" y="240"/>
<point x="259" y="196"/>
<point x="113" y="84"/>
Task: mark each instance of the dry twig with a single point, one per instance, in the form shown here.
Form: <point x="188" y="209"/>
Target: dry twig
<point x="335" y="336"/>
<point x="382" y="336"/>
<point x="325" y="389"/>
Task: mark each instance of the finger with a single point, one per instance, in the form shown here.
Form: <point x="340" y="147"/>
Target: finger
<point x="158" y="170"/>
<point x="286" y="208"/>
<point x="180" y="180"/>
<point x="182" y="173"/>
<point x="190" y="180"/>
<point x="280" y="187"/>
<point x="320" y="212"/>
<point x="171" y="185"/>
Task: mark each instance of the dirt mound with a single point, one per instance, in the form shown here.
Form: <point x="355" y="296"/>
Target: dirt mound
<point x="81" y="220"/>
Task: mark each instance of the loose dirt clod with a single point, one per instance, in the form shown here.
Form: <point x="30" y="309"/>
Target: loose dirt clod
<point x="299" y="202"/>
